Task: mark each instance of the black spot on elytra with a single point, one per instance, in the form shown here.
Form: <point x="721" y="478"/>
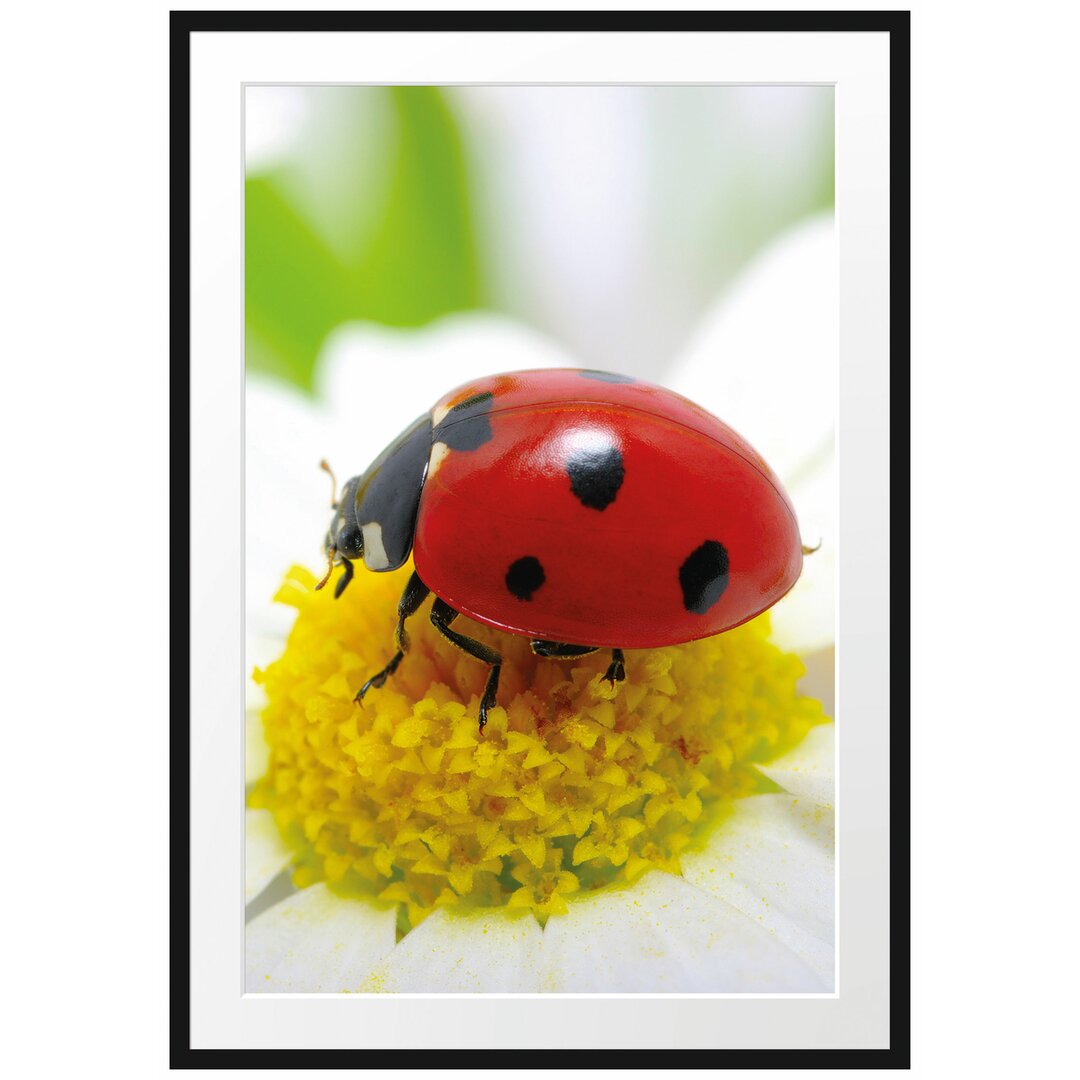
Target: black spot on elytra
<point x="467" y="425"/>
<point x="524" y="577"/>
<point x="605" y="376"/>
<point x="596" y="474"/>
<point x="704" y="576"/>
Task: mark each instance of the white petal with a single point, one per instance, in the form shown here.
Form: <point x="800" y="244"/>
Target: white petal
<point x="807" y="771"/>
<point x="316" y="943"/>
<point x="820" y="678"/>
<point x="464" y="952"/>
<point x="287" y="497"/>
<point x="805" y="619"/>
<point x="265" y="853"/>
<point x="376" y="380"/>
<point x="765" y="359"/>
<point x="774" y="860"/>
<point x="665" y="935"/>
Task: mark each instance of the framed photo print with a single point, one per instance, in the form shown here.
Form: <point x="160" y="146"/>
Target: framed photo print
<point x="540" y="387"/>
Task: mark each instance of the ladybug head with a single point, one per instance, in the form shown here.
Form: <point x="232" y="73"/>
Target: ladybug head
<point x="345" y="537"/>
<point x="376" y="515"/>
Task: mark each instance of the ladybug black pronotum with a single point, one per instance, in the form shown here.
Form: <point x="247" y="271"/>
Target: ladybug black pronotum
<point x="582" y="509"/>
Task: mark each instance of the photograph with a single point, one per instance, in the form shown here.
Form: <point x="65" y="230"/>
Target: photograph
<point x="540" y="539"/>
<point x="559" y="620"/>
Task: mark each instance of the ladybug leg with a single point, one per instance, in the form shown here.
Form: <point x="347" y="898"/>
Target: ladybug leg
<point x="411" y="599"/>
<point x="558" y="651"/>
<point x="345" y="578"/>
<point x="442" y="615"/>
<point x="616" y="671"/>
<point x="414" y="595"/>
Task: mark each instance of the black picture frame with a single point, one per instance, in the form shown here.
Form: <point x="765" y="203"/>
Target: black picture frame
<point x="894" y="23"/>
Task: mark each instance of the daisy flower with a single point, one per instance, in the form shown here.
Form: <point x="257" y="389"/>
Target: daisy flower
<point x="673" y="835"/>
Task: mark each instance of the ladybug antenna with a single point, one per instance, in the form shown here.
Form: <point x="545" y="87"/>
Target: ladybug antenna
<point x="330" y="554"/>
<point x="325" y="466"/>
<point x="810" y="550"/>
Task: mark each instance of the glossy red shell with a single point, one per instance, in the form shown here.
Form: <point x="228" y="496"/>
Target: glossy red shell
<point x="611" y="575"/>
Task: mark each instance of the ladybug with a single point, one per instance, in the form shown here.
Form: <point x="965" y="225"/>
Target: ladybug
<point x="582" y="509"/>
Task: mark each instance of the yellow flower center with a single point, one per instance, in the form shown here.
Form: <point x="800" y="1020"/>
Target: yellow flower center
<point x="574" y="784"/>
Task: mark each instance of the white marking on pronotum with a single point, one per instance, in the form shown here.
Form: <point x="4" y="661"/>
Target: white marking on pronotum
<point x="374" y="552"/>
<point x="439" y="451"/>
<point x="438" y="414"/>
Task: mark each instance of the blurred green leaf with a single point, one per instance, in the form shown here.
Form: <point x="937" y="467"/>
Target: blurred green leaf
<point x="413" y="262"/>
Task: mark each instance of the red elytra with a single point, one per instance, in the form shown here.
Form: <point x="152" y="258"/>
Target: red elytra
<point x="599" y="511"/>
<point x="578" y="508"/>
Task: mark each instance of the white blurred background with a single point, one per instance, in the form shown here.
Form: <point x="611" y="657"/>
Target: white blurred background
<point x="609" y="217"/>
